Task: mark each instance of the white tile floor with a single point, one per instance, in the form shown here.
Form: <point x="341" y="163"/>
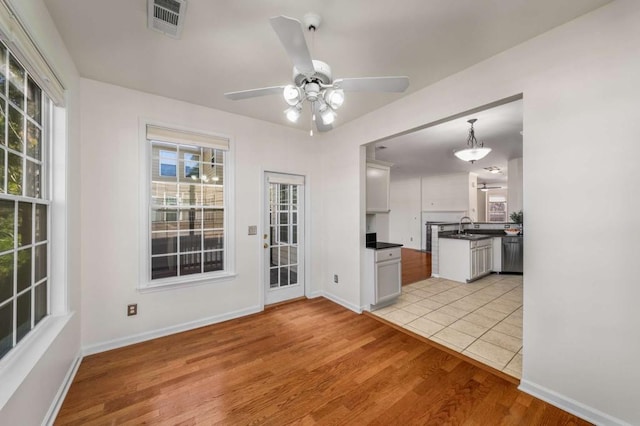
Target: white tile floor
<point x="482" y="319"/>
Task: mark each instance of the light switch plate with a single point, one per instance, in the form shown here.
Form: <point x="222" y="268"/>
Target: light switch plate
<point x="253" y="230"/>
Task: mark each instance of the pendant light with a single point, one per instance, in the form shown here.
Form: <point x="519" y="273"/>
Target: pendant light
<point x="475" y="150"/>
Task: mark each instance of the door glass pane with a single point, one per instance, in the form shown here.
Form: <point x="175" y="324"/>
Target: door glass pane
<point x="284" y="234"/>
<point x="24" y="224"/>
<point x="273" y="260"/>
<point x="6" y="276"/>
<point x="273" y="277"/>
<point x="16" y="129"/>
<point x="293" y="274"/>
<point x="24" y="269"/>
<point x="284" y="276"/>
<point x="6" y="225"/>
<point x="164" y="266"/>
<point x="284" y="194"/>
<point x="284" y="255"/>
<point x="213" y="261"/>
<point x="16" y="82"/>
<point x="40" y="302"/>
<point x="23" y="322"/>
<point x="40" y="262"/>
<point x="6" y="328"/>
<point x="293" y="255"/>
<point x="284" y="218"/>
<point x="190" y="263"/>
<point x="294" y="234"/>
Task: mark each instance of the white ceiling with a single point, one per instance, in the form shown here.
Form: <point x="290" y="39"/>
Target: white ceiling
<point x="429" y="152"/>
<point x="230" y="45"/>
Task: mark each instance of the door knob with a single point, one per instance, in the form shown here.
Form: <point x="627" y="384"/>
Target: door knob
<point x="266" y="245"/>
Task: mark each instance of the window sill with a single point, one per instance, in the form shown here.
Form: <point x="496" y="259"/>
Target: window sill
<point x="173" y="284"/>
<point x="18" y="363"/>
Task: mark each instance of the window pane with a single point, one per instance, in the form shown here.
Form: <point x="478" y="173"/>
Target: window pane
<point x="6" y="328"/>
<point x="23" y="322"/>
<point x="190" y="241"/>
<point x="165" y="163"/>
<point x="40" y="263"/>
<point x="213" y="219"/>
<point x="40" y="303"/>
<point x="190" y="219"/>
<point x="213" y="195"/>
<point x="24" y="269"/>
<point x="6" y="225"/>
<point x="164" y="242"/>
<point x="6" y="276"/>
<point x="164" y="266"/>
<point x="213" y="240"/>
<point x="41" y="222"/>
<point x="16" y="129"/>
<point x="32" y="180"/>
<point x="164" y="220"/>
<point x="190" y="194"/>
<point x="164" y="194"/>
<point x="190" y="263"/>
<point x="16" y="82"/>
<point x="213" y="261"/>
<point x="14" y="175"/>
<point x="34" y="141"/>
<point x="3" y="154"/>
<point x="24" y="224"/>
<point x="3" y="68"/>
<point x="3" y="119"/>
<point x="34" y="100"/>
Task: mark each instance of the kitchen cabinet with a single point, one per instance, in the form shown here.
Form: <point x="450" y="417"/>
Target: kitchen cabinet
<point x="382" y="277"/>
<point x="464" y="261"/>
<point x="378" y="182"/>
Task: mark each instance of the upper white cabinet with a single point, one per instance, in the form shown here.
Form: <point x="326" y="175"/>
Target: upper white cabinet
<point x="378" y="178"/>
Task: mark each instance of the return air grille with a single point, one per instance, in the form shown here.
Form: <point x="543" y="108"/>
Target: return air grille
<point x="166" y="16"/>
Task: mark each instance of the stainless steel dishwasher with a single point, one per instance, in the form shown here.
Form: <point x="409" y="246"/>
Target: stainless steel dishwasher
<point x="512" y="251"/>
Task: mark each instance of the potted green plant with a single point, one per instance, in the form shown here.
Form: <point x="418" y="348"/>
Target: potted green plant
<point x="516" y="217"/>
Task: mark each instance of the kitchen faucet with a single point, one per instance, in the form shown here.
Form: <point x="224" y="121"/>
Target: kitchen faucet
<point x="460" y="224"/>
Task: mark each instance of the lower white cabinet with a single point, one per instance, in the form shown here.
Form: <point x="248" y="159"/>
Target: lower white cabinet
<point x="383" y="277"/>
<point x="463" y="260"/>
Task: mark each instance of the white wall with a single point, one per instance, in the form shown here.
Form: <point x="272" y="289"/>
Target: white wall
<point x="404" y="217"/>
<point x="514" y="186"/>
<point x="446" y="192"/>
<point x="579" y="83"/>
<point x="29" y="404"/>
<point x="110" y="220"/>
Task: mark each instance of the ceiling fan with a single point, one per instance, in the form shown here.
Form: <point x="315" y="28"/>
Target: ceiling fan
<point x="312" y="79"/>
<point x="485" y="188"/>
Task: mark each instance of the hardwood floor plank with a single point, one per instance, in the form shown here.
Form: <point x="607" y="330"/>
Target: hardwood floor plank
<point x="307" y="362"/>
<point x="416" y="265"/>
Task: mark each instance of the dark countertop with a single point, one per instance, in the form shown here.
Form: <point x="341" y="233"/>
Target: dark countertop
<point x="466" y="237"/>
<point x="378" y="245"/>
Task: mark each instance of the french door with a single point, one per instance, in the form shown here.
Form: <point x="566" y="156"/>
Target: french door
<point x="284" y="237"/>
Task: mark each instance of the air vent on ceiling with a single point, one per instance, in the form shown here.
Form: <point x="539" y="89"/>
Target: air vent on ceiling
<point x="166" y="16"/>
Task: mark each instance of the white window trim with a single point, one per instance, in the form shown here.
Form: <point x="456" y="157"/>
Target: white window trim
<point x="145" y="283"/>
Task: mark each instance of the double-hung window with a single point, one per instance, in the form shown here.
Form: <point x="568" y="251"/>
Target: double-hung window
<point x="188" y="206"/>
<point x="24" y="202"/>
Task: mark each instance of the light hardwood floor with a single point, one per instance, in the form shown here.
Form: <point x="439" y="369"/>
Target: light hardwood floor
<point x="416" y="265"/>
<point x="306" y="362"/>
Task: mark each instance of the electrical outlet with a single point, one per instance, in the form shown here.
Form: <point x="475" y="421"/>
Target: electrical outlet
<point x="335" y="278"/>
<point x="132" y="309"/>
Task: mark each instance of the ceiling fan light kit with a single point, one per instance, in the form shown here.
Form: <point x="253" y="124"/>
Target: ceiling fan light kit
<point x="312" y="79"/>
<point x="476" y="150"/>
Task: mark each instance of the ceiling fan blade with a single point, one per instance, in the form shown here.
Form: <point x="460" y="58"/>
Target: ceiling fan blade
<point x="319" y="124"/>
<point x="291" y="36"/>
<point x="253" y="93"/>
<point x="373" y="84"/>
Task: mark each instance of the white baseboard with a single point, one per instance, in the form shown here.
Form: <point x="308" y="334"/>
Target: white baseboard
<point x="315" y="294"/>
<point x="154" y="334"/>
<point x="569" y="405"/>
<point x="355" y="308"/>
<point x="52" y="413"/>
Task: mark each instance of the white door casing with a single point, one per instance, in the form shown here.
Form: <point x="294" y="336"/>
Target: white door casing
<point x="283" y="242"/>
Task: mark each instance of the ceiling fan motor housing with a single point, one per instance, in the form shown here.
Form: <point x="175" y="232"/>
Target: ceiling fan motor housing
<point x="322" y="74"/>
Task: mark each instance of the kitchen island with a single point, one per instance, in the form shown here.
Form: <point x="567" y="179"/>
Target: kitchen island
<point x="465" y="257"/>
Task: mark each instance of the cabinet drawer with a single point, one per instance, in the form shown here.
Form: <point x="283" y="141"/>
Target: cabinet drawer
<point x="388" y="254"/>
